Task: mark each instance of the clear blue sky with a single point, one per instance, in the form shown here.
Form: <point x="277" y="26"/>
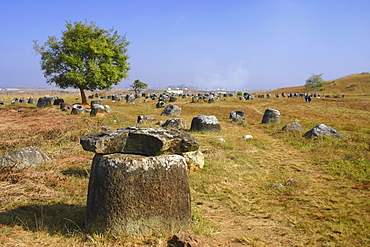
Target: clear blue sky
<point x="234" y="44"/>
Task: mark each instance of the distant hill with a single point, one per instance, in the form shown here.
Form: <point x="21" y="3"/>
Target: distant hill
<point x="358" y="84"/>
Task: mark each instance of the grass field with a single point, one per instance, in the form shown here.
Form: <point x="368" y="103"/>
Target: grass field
<point x="277" y="189"/>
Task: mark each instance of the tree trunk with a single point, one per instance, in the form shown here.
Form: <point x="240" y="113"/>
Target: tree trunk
<point x="83" y="95"/>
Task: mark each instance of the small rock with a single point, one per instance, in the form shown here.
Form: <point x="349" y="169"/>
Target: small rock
<point x="194" y="160"/>
<point x="247" y="137"/>
<point x="322" y="130"/>
<point x="293" y="127"/>
<point x="277" y="185"/>
<point x="291" y="182"/>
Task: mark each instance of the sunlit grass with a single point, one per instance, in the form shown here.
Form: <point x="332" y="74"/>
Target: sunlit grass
<point x="239" y="183"/>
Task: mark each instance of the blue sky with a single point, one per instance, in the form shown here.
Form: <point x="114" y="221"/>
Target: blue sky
<point x="234" y="44"/>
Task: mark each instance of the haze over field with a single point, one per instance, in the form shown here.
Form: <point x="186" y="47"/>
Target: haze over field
<point x="209" y="44"/>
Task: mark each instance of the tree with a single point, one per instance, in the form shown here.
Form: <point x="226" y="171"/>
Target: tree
<point x="138" y="85"/>
<point x="314" y="83"/>
<point x="86" y="57"/>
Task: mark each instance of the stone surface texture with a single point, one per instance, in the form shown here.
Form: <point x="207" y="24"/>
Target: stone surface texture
<point x="293" y="127"/>
<point x="175" y="123"/>
<point x="145" y="141"/>
<point x="205" y="123"/>
<point x="271" y="116"/>
<point x="322" y="130"/>
<point x="138" y="194"/>
<point x="23" y="158"/>
<point x="171" y="110"/>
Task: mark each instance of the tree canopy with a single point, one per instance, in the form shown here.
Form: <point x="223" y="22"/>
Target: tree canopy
<point x="314" y="83"/>
<point x="86" y="57"/>
<point x="138" y="85"/>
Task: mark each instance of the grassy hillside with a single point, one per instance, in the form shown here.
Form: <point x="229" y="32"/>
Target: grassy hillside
<point x="356" y="84"/>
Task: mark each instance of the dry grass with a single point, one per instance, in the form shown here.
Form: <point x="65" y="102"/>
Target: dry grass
<point x="356" y="84"/>
<point x="236" y="198"/>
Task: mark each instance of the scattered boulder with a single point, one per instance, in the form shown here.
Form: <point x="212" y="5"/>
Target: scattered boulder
<point x="66" y="106"/>
<point x="97" y="110"/>
<point x="23" y="100"/>
<point x="219" y="140"/>
<point x="171" y="110"/>
<point x="237" y="116"/>
<point x="78" y="110"/>
<point x="172" y="99"/>
<point x="293" y="127"/>
<point x="2" y="102"/>
<point x="138" y="195"/>
<point x="45" y="102"/>
<point x="205" y="123"/>
<point x="32" y="100"/>
<point x="175" y="123"/>
<point x="160" y="104"/>
<point x="58" y="101"/>
<point x="145" y="141"/>
<point x="130" y="98"/>
<point x="14" y="101"/>
<point x="23" y="158"/>
<point x="271" y="116"/>
<point x="194" y="160"/>
<point x="322" y="130"/>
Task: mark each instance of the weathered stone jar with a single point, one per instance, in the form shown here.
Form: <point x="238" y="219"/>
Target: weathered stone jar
<point x="134" y="194"/>
<point x="271" y="116"/>
<point x="139" y="182"/>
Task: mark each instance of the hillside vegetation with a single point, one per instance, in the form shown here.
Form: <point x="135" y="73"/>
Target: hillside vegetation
<point x="356" y="84"/>
<point x="276" y="189"/>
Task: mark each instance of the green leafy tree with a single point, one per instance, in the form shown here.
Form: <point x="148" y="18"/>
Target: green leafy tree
<point x="314" y="83"/>
<point x="138" y="85"/>
<point x="86" y="57"/>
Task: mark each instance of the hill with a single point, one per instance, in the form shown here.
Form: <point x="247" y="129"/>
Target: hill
<point x="355" y="84"/>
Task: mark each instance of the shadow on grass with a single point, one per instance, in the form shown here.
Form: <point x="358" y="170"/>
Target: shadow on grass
<point x="77" y="172"/>
<point x="58" y="218"/>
